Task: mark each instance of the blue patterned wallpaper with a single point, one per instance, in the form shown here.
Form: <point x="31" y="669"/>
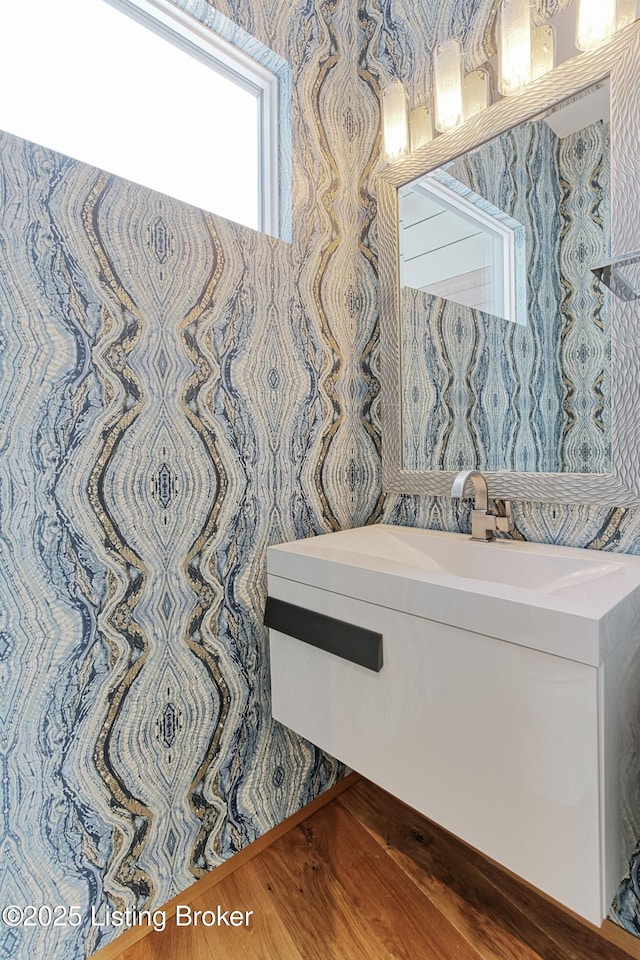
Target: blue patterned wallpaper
<point x="177" y="392"/>
<point x="585" y="335"/>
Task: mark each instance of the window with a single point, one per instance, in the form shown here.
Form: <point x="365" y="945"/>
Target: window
<point x="153" y="96"/>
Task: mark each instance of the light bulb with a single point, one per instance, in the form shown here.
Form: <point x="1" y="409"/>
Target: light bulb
<point x="394" y="120"/>
<point x="448" y="84"/>
<point x="475" y="93"/>
<point x="420" y="126"/>
<point x="543" y="55"/>
<point x="514" y="47"/>
<point x="596" y="21"/>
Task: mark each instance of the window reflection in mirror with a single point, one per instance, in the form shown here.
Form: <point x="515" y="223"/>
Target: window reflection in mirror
<point x="455" y="244"/>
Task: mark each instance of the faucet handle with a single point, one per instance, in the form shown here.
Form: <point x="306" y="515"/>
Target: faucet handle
<point x="504" y="517"/>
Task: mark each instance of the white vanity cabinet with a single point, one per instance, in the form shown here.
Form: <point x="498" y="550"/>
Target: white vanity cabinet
<point x="515" y="750"/>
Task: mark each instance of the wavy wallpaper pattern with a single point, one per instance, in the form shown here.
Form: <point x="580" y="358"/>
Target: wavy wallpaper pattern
<point x="178" y="392"/>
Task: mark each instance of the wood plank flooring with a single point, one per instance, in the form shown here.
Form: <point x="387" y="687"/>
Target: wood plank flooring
<point x="367" y="878"/>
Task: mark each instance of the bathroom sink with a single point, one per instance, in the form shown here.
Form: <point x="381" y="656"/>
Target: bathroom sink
<point x="493" y="686"/>
<point x="561" y="600"/>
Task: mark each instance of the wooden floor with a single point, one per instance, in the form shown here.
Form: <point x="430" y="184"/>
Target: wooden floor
<point x="367" y="878"/>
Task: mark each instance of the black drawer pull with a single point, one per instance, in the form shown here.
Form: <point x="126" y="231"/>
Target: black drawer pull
<point x="335" y="636"/>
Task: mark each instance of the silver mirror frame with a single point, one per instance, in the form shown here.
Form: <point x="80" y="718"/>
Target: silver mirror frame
<point x="620" y="61"/>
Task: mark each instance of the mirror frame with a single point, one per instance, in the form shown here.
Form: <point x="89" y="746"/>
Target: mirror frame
<point x="619" y="59"/>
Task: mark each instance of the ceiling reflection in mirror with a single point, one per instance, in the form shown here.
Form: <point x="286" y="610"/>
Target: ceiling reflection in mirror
<point x="505" y="343"/>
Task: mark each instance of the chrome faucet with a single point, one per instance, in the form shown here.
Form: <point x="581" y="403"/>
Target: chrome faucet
<point x="484" y="523"/>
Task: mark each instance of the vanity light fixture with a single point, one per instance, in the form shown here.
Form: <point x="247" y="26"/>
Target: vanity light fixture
<point x="596" y="22"/>
<point x="394" y="120"/>
<point x="447" y="68"/>
<point x="514" y="46"/>
<point x="525" y="53"/>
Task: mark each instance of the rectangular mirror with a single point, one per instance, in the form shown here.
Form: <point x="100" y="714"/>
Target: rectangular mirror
<point x="505" y="340"/>
<point x="502" y="351"/>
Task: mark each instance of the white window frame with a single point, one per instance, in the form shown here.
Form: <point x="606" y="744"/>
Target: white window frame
<point x="184" y="31"/>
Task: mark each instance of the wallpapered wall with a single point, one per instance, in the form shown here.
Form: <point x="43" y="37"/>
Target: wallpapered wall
<point x="549" y="400"/>
<point x="176" y="393"/>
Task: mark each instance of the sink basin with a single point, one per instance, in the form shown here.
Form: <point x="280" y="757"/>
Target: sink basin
<point x="560" y="600"/>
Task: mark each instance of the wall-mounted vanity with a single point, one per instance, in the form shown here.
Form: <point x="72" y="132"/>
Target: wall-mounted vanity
<point x="488" y="685"/>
